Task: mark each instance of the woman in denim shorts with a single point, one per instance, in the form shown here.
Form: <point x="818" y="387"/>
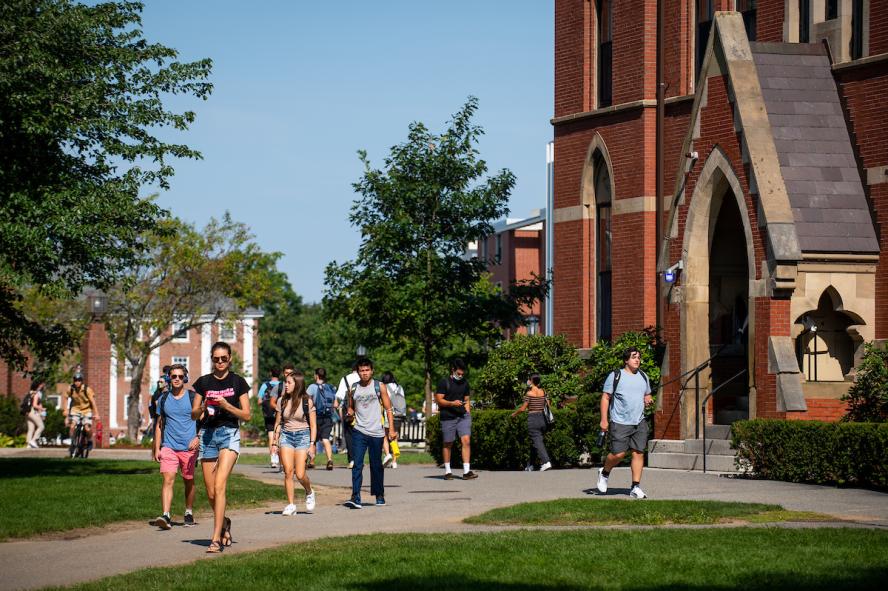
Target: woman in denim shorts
<point x="295" y="431"/>
<point x="222" y="400"/>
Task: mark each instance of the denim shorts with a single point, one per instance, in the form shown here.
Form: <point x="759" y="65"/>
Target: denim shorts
<point x="215" y="439"/>
<point x="295" y="439"/>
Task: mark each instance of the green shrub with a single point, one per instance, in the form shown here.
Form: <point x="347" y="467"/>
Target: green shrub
<point x="868" y="397"/>
<point x="813" y="451"/>
<point x="12" y="421"/>
<point x="502" y="442"/>
<point x="501" y="383"/>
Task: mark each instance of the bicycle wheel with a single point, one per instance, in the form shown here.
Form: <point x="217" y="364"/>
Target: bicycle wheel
<point x="82" y="442"/>
<point x="75" y="439"/>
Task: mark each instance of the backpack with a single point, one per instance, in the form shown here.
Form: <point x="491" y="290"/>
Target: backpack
<point x="349" y="400"/>
<point x="267" y="410"/>
<point x="324" y="400"/>
<point x="27" y="401"/>
<point x="619" y="372"/>
<point x="399" y="401"/>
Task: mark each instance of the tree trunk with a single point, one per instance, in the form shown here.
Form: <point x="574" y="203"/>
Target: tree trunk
<point x="427" y="360"/>
<point x="134" y="418"/>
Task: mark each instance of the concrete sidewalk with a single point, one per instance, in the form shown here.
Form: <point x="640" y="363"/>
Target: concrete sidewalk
<point x="419" y="500"/>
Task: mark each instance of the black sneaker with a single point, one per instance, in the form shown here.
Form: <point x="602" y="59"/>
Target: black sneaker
<point x="163" y="522"/>
<point x="189" y="520"/>
<point x="469" y="475"/>
<point x="352" y="504"/>
<point x="448" y="476"/>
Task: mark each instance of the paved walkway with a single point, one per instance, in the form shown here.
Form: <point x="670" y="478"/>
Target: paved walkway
<point x="418" y="500"/>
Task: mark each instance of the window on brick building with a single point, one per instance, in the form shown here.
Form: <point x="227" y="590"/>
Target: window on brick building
<point x="605" y="53"/>
<point x="482" y="248"/>
<point x="804" y="21"/>
<point x="180" y="361"/>
<point x="127" y="371"/>
<point x="747" y="8"/>
<point x="832" y="9"/>
<point x="856" y="29"/>
<point x="180" y="331"/>
<point x="227" y="332"/>
<point x="704" y="13"/>
<point x="499" y="249"/>
<point x="603" y="300"/>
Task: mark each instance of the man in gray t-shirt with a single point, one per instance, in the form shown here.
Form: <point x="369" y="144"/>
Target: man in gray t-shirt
<point x="624" y="397"/>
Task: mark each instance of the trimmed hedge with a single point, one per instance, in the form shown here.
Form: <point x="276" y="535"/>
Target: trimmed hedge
<point x="814" y="451"/>
<point x="501" y="442"/>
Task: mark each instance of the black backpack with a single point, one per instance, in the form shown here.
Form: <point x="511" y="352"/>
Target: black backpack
<point x="619" y="372"/>
<point x="267" y="410"/>
<point x="27" y="401"/>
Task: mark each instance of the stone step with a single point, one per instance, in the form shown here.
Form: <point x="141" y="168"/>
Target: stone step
<point x="666" y="446"/>
<point x="721" y="447"/>
<point x="716" y="431"/>
<point x="683" y="461"/>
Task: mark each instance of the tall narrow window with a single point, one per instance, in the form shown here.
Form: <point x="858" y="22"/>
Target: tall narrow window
<point x="832" y="9"/>
<point x="747" y="9"/>
<point x="704" y="25"/>
<point x="856" y="29"/>
<point x="605" y="54"/>
<point x="603" y="249"/>
<point x="804" y="21"/>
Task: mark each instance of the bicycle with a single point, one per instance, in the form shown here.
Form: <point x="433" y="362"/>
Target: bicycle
<point x="79" y="447"/>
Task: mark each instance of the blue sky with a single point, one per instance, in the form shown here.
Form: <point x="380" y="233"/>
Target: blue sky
<point x="301" y="86"/>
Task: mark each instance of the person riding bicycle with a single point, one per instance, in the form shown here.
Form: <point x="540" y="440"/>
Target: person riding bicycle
<point x="80" y="405"/>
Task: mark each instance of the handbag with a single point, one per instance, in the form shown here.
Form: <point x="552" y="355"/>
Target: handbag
<point x="548" y="415"/>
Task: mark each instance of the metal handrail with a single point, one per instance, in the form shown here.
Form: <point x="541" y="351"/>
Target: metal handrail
<point x="705" y="400"/>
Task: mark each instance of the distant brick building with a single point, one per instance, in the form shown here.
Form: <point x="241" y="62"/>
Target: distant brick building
<point x="516" y="252"/>
<point x="774" y="198"/>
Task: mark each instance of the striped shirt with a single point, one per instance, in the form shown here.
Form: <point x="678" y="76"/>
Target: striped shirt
<point x="535" y="403"/>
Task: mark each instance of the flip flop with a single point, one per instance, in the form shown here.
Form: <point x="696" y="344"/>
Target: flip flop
<point x="215" y="547"/>
<point x="226" y="532"/>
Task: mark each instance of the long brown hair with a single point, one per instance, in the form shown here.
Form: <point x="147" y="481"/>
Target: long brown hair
<point x="299" y="393"/>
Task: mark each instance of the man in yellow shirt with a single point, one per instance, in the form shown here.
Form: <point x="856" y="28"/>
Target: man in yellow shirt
<point x="80" y="404"/>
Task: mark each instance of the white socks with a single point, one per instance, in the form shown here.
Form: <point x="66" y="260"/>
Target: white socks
<point x="466" y="468"/>
<point x="446" y="467"/>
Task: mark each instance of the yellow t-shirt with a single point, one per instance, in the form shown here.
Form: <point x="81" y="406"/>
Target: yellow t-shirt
<point x="80" y="399"/>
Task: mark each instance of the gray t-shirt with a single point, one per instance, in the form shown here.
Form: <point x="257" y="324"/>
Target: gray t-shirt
<point x="627" y="404"/>
<point x="368" y="411"/>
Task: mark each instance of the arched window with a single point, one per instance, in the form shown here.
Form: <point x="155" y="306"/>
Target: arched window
<point x="748" y="9"/>
<point x="704" y="13"/>
<point x="804" y="21"/>
<point x="605" y="53"/>
<point x="602" y="248"/>
<point x="856" y="29"/>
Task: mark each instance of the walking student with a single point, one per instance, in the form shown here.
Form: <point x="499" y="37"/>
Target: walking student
<point x="268" y="395"/>
<point x="294" y="436"/>
<point x="535" y="404"/>
<point x="630" y="391"/>
<point x="345" y="385"/>
<point x="324" y="397"/>
<point x="362" y="408"/>
<point x="452" y="396"/>
<point x="399" y="409"/>
<point x="223" y="399"/>
<point x="175" y="444"/>
<point x="35" y="413"/>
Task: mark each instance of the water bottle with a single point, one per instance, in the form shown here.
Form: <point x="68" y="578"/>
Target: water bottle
<point x="600" y="441"/>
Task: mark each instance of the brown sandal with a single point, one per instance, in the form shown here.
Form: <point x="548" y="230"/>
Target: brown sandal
<point x="215" y="547"/>
<point x="226" y="532"/>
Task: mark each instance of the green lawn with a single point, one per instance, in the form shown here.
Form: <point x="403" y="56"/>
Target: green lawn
<point x="647" y="512"/>
<point x="749" y="558"/>
<point x="341" y="460"/>
<point x="40" y="495"/>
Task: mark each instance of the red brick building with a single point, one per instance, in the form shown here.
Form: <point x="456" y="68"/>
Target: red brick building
<point x="773" y="200"/>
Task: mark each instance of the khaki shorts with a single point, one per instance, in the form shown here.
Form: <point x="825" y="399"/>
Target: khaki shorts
<point x="74" y="417"/>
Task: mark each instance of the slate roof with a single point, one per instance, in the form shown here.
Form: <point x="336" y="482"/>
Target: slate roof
<point x="814" y="148"/>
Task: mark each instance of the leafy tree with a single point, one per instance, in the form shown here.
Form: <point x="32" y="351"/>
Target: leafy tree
<point x="81" y="99"/>
<point x="189" y="277"/>
<point x="868" y="398"/>
<point x="502" y="381"/>
<point x="410" y="286"/>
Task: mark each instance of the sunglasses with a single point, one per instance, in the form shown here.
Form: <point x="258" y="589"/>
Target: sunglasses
<point x="177" y="377"/>
<point x="223" y="359"/>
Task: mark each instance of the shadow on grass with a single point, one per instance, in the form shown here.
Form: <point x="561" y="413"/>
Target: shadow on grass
<point x="26" y="467"/>
<point x="868" y="578"/>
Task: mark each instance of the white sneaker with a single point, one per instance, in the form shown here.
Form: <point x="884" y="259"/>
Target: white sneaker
<point x="602" y="481"/>
<point x="394" y="464"/>
<point x="637" y="493"/>
<point x="289" y="510"/>
<point x="387" y="460"/>
<point x="32" y="445"/>
<point x="351" y="465"/>
<point x="546" y="466"/>
<point x="528" y="468"/>
<point x="310" y="501"/>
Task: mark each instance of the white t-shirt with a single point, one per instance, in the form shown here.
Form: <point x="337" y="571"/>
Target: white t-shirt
<point x="353" y="378"/>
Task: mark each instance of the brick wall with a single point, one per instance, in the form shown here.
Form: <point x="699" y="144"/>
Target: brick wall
<point x="769" y="21"/>
<point x="878" y="31"/>
<point x="820" y="409"/>
<point x="570" y="24"/>
<point x="96" y="351"/>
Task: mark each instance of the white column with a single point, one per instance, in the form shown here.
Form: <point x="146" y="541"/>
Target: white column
<point x="205" y="344"/>
<point x="112" y="392"/>
<point x="248" y="351"/>
<point x="154" y="368"/>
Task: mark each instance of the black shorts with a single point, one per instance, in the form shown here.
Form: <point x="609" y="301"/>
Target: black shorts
<point x="269" y="423"/>
<point x="625" y="437"/>
<point x="325" y="427"/>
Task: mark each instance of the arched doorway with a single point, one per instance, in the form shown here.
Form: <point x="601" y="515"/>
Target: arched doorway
<point x="728" y="312"/>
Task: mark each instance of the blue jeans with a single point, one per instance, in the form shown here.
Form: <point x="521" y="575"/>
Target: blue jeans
<point x="361" y="444"/>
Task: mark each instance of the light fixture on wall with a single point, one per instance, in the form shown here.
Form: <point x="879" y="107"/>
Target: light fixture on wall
<point x="672" y="272"/>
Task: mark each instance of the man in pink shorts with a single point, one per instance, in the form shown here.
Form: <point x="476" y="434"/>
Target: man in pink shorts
<point x="175" y="444"/>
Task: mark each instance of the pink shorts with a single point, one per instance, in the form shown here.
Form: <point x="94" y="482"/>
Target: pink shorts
<point x="173" y="461"/>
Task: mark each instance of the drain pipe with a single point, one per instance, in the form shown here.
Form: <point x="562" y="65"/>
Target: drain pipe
<point x="658" y="208"/>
